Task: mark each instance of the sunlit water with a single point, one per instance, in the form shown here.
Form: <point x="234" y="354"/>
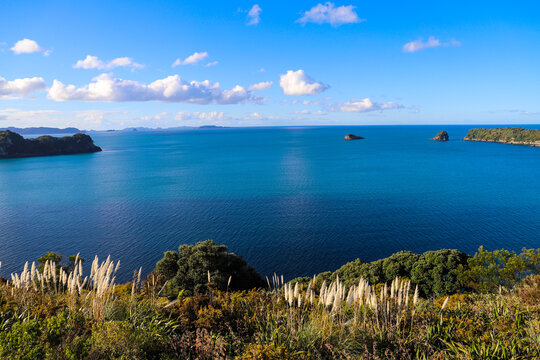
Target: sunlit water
<point x="296" y="201"/>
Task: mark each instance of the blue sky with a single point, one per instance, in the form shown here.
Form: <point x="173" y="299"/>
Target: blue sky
<point x="104" y="64"/>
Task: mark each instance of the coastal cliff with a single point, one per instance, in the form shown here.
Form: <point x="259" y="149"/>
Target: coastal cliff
<point x="516" y="136"/>
<point x="13" y="145"/>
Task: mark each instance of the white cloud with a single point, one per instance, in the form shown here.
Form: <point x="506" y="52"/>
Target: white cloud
<point x="261" y="70"/>
<point x="255" y="116"/>
<point x="205" y="116"/>
<point x="261" y="86"/>
<point x="432" y="42"/>
<point x="27" y="46"/>
<point x="190" y="60"/>
<point x="213" y="63"/>
<point x="298" y="83"/>
<point x="363" y="105"/>
<point x="21" y="87"/>
<point x="253" y="16"/>
<point x="329" y="13"/>
<point x="106" y="87"/>
<point x="308" y="112"/>
<point x="93" y="62"/>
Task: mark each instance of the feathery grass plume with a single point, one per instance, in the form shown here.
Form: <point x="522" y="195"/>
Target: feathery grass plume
<point x="445" y="303"/>
<point x="102" y="278"/>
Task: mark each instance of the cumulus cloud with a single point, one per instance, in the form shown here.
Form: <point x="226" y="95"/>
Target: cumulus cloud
<point x="299" y="83"/>
<point x="253" y="16"/>
<point x="330" y="14"/>
<point x="106" y="87"/>
<point x="363" y="105"/>
<point x="93" y="62"/>
<point x="21" y="87"/>
<point x="261" y="86"/>
<point x="27" y="46"/>
<point x="190" y="60"/>
<point x="431" y="42"/>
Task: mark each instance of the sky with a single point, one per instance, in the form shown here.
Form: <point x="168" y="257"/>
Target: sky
<point x="116" y="64"/>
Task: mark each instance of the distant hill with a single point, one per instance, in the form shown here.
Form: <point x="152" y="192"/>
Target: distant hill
<point x="509" y="135"/>
<point x="42" y="130"/>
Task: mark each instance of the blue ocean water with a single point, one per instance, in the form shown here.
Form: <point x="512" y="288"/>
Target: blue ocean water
<point x="295" y="201"/>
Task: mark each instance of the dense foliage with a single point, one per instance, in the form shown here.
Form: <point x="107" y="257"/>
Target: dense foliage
<point x="14" y="145"/>
<point x="51" y="319"/>
<point x="508" y="134"/>
<point x="193" y="266"/>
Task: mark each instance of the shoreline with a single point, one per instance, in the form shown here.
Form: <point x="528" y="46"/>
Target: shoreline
<point x="535" y="144"/>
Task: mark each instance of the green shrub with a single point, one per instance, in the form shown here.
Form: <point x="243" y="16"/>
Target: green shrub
<point x="188" y="269"/>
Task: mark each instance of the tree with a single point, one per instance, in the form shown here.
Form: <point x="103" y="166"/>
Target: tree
<point x="437" y="272"/>
<point x="399" y="264"/>
<point x="188" y="269"/>
<point x="58" y="259"/>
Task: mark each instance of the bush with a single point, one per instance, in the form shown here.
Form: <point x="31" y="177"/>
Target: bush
<point x="437" y="272"/>
<point x="188" y="269"/>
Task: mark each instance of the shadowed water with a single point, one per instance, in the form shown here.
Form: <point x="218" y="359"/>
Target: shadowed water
<point x="292" y="200"/>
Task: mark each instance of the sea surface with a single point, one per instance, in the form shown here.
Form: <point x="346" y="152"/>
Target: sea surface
<point x="291" y="200"/>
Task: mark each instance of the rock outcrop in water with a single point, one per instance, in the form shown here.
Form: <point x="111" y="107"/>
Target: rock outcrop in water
<point x="13" y="145"/>
<point x="352" y="137"/>
<point x="441" y="136"/>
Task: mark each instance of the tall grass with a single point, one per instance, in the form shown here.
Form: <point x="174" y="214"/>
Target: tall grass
<point x="285" y="321"/>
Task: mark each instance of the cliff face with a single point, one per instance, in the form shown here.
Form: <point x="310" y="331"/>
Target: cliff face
<point x="13" y="145"/>
<point x="441" y="136"/>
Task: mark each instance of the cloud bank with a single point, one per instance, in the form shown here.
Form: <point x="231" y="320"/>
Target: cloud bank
<point x="205" y="116"/>
<point x="363" y="105"/>
<point x="299" y="83"/>
<point x="106" y="87"/>
<point x="330" y="14"/>
<point x="21" y="87"/>
<point x="93" y="62"/>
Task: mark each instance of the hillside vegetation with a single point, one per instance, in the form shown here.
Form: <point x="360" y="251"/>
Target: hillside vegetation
<point x="437" y="305"/>
<point x="507" y="135"/>
<point x="13" y="145"/>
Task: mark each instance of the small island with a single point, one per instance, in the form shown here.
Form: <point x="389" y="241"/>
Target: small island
<point x="516" y="136"/>
<point x="352" y="137"/>
<point x="441" y="136"/>
<point x="13" y="145"/>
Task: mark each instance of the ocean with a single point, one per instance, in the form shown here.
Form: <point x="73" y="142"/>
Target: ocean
<point x="290" y="200"/>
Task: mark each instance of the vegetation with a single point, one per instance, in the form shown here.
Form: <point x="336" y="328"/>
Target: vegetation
<point x="57" y="313"/>
<point x="14" y="145"/>
<point x="194" y="266"/>
<point x="510" y="135"/>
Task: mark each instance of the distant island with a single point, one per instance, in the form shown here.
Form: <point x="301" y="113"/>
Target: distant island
<point x="441" y="136"/>
<point x="42" y="130"/>
<point x="352" y="137"/>
<point x="517" y="136"/>
<point x="13" y="145"/>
